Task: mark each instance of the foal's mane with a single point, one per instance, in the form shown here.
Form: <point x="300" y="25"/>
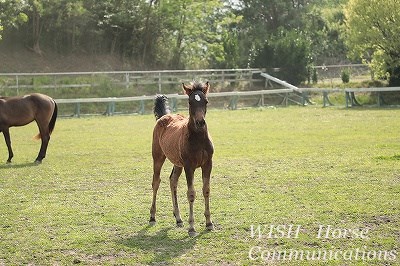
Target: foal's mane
<point x="197" y="85"/>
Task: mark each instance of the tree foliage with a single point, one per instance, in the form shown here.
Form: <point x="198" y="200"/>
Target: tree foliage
<point x="11" y="14"/>
<point x="155" y="34"/>
<point x="284" y="34"/>
<point x="289" y="52"/>
<point x="152" y="34"/>
<point x="373" y="34"/>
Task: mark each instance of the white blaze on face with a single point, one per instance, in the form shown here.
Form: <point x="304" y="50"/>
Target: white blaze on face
<point x="197" y="97"/>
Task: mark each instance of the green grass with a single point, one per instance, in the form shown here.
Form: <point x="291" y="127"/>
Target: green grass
<point x="88" y="202"/>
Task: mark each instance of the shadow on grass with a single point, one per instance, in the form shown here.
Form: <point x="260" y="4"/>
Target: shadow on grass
<point x="389" y="158"/>
<point x="16" y="166"/>
<point x="160" y="245"/>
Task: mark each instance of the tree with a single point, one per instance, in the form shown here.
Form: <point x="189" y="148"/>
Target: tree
<point x="324" y="26"/>
<point x="193" y="32"/>
<point x="275" y="35"/>
<point x="288" y="51"/>
<point x="373" y="34"/>
<point x="11" y="14"/>
<point x="36" y="12"/>
<point x="149" y="34"/>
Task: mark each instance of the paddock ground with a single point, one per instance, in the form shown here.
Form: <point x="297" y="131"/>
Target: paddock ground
<point x="88" y="202"/>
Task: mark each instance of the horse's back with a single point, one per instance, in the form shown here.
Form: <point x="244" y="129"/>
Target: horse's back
<point x="21" y="110"/>
<point x="168" y="135"/>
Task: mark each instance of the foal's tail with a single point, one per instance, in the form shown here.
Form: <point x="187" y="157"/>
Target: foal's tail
<point x="161" y="106"/>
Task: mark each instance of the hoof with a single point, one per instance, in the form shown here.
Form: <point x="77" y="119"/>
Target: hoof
<point x="8" y="162"/>
<point x="179" y="224"/>
<point x="152" y="222"/>
<point x="37" y="161"/>
<point x="192" y="232"/>
<point x="210" y="227"/>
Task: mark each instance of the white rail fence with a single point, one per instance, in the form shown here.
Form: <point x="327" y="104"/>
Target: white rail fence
<point x="234" y="97"/>
<point x="111" y="101"/>
<point x="127" y="79"/>
<point x="281" y="89"/>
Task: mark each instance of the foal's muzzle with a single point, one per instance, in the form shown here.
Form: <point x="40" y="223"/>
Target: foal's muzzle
<point x="200" y="123"/>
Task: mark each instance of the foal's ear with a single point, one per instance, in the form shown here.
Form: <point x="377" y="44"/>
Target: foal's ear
<point x="188" y="89"/>
<point x="206" y="88"/>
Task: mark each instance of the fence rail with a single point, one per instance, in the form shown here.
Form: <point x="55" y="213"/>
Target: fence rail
<point x="286" y="92"/>
<point x="352" y="101"/>
<point x="111" y="101"/>
<point x="333" y="73"/>
<point x="234" y="97"/>
<point x="126" y="79"/>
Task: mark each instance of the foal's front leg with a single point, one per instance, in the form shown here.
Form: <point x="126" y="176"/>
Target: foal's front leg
<point x="6" y="134"/>
<point x="206" y="174"/>
<point x="158" y="161"/>
<point x="191" y="195"/>
<point x="173" y="179"/>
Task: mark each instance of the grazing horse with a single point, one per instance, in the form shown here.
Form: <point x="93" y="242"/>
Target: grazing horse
<point x="20" y="111"/>
<point x="186" y="143"/>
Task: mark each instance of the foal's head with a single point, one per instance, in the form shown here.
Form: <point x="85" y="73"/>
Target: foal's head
<point x="197" y="93"/>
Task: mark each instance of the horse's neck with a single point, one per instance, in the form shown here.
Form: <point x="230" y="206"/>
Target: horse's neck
<point x="195" y="134"/>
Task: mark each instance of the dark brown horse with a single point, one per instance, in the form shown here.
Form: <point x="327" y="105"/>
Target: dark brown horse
<point x="186" y="143"/>
<point x="20" y="111"/>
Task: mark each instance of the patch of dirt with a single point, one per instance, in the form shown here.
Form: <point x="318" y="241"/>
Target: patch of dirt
<point x="19" y="59"/>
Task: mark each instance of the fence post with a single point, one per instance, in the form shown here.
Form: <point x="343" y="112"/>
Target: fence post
<point x="78" y="109"/>
<point x="233" y="103"/>
<point x="379" y="99"/>
<point x="286" y="99"/>
<point x="347" y="98"/>
<point x="159" y="82"/>
<point x="174" y="104"/>
<point x="141" y="110"/>
<point x="17" y="80"/>
<point x="127" y="80"/>
<point x="110" y="108"/>
<point x="55" y="83"/>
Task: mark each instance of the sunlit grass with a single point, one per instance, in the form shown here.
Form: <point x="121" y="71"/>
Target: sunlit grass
<point x="88" y="202"/>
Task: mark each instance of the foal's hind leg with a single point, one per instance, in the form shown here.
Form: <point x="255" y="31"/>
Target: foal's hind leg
<point x="174" y="177"/>
<point x="6" y="134"/>
<point x="158" y="161"/>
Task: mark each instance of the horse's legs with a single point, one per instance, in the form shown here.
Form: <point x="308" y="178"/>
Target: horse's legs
<point x="173" y="179"/>
<point x="206" y="172"/>
<point x="45" y="137"/>
<point x="191" y="195"/>
<point x="158" y="161"/>
<point x="6" y="134"/>
<point x="43" y="148"/>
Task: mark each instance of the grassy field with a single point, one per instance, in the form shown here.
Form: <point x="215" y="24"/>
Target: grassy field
<point x="88" y="202"/>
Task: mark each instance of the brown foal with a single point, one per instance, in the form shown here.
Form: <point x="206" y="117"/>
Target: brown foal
<point x="185" y="141"/>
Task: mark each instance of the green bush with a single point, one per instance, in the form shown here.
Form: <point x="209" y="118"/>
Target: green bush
<point x="345" y="76"/>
